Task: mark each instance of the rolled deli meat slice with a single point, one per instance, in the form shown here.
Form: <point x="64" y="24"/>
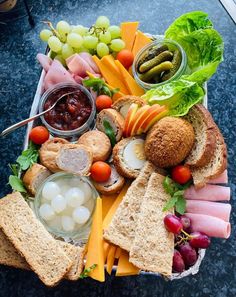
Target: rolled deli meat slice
<point x="211" y="226"/>
<point x="208" y="193"/>
<point x="215" y="209"/>
<point x="221" y="179"/>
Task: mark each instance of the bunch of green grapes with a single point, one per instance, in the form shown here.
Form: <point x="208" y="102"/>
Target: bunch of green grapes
<point x="100" y="39"/>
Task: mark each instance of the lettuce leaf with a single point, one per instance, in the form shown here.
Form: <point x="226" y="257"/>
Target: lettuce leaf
<point x="203" y="45"/>
<point x="179" y="96"/>
<point x="187" y="23"/>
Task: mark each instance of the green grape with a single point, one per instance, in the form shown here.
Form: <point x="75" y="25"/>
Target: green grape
<point x="55" y="44"/>
<point x="74" y="40"/>
<point x="102" y="49"/>
<point x="60" y="59"/>
<point x="102" y="22"/>
<point x="114" y="31"/>
<point x="63" y="28"/>
<point x="105" y="37"/>
<point x="82" y="50"/>
<point x="66" y="51"/>
<point x="81" y="30"/>
<point x="45" y="34"/>
<point x="117" y="45"/>
<point x="90" y="42"/>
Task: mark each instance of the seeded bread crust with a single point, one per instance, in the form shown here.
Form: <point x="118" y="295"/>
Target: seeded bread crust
<point x="29" y="237"/>
<point x="205" y="136"/>
<point x="216" y="166"/>
<point x="114" y="118"/>
<point x="121" y="167"/>
<point x="48" y="153"/>
<point x="34" y="177"/>
<point x="121" y="230"/>
<point x="153" y="246"/>
<point x="68" y="160"/>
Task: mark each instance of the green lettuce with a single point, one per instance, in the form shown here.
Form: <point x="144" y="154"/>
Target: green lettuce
<point x="179" y="96"/>
<point x="203" y="45"/>
<point x="187" y="23"/>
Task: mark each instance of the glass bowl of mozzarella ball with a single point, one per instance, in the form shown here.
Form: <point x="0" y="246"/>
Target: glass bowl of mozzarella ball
<point x="64" y="204"/>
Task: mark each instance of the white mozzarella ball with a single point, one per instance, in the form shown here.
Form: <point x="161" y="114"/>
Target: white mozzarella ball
<point x="74" y="197"/>
<point x="46" y="212"/>
<point x="81" y="215"/>
<point x="58" y="203"/>
<point x="68" y="223"/>
<point x="50" y="190"/>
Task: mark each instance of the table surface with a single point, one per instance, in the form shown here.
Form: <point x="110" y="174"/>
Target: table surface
<point x="19" y="74"/>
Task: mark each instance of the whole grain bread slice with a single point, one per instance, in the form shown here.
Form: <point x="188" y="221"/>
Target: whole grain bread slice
<point x="205" y="136"/>
<point x="153" y="246"/>
<point x="121" y="231"/>
<point x="10" y="257"/>
<point x="216" y="166"/>
<point x="42" y="252"/>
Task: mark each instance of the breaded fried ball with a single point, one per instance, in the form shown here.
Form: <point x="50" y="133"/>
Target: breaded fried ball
<point x="169" y="142"/>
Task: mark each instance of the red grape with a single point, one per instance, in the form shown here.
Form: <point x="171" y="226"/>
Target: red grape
<point x="188" y="253"/>
<point x="185" y="222"/>
<point x="178" y="262"/>
<point x="199" y="240"/>
<point x="173" y="224"/>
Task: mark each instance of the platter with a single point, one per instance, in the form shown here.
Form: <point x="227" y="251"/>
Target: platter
<point x="124" y="169"/>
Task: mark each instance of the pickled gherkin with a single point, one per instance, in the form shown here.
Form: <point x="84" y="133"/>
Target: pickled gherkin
<point x="152" y="53"/>
<point x="155" y="71"/>
<point x="176" y="61"/>
<point x="164" y="56"/>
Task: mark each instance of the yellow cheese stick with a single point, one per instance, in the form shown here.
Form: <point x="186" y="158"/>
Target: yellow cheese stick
<point x="124" y="267"/>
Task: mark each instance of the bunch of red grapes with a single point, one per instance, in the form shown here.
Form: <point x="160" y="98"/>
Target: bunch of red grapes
<point x="186" y="243"/>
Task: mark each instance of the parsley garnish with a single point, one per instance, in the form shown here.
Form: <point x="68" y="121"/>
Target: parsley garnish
<point x="86" y="271"/>
<point x="98" y="85"/>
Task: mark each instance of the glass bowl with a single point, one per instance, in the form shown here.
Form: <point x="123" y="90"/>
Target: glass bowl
<point x="172" y="45"/>
<point x="72" y="180"/>
<point x="71" y="134"/>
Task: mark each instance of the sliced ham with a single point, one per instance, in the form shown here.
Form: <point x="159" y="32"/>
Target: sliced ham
<point x="211" y="226"/>
<point x="221" y="179"/>
<point x="45" y="61"/>
<point x="209" y="193"/>
<point x="88" y="58"/>
<point x="215" y="209"/>
<point x="78" y="65"/>
<point x="56" y="74"/>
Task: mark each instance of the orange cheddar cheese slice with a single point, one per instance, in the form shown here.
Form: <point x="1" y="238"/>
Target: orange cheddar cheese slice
<point x="106" y="247"/>
<point x="140" y="41"/>
<point x="109" y="61"/>
<point x="107" y="202"/>
<point x="124" y="267"/>
<point x="95" y="254"/>
<point x="114" y="207"/>
<point x="128" y="31"/>
<point x="110" y="258"/>
<point x="110" y="77"/>
<point x="130" y="82"/>
<point x="118" y="252"/>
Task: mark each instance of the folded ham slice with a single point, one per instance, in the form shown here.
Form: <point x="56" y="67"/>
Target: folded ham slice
<point x="221" y="179"/>
<point x="88" y="58"/>
<point x="45" y="61"/>
<point x="78" y="65"/>
<point x="209" y="193"/>
<point x="215" y="209"/>
<point x="211" y="226"/>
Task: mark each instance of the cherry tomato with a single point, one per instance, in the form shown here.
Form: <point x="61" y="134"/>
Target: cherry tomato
<point x="181" y="174"/>
<point x="126" y="58"/>
<point x="103" y="101"/>
<point x="100" y="171"/>
<point x="39" y="134"/>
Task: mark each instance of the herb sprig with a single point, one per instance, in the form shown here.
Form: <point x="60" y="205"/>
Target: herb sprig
<point x="86" y="271"/>
<point x="98" y="85"/>
<point x="176" y="192"/>
<point x="109" y="132"/>
<point x="24" y="161"/>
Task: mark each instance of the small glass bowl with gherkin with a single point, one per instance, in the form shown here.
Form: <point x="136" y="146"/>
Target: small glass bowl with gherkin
<point x="159" y="62"/>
